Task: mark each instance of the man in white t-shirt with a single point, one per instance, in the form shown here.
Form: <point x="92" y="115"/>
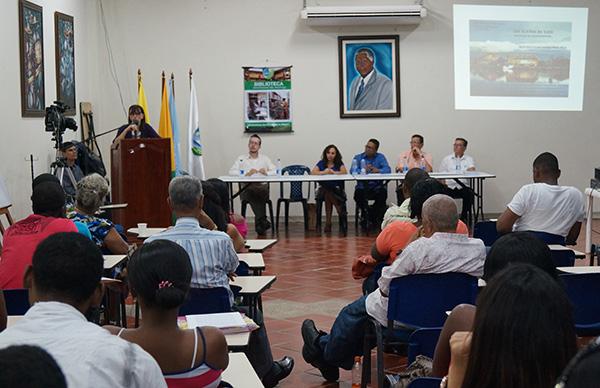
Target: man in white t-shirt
<point x="64" y="285"/>
<point x="458" y="162"/>
<point x="257" y="194"/>
<point x="544" y="206"/>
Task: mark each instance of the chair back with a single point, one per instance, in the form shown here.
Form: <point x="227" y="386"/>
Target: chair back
<point x="583" y="291"/>
<point x="425" y="382"/>
<point x="17" y="301"/>
<point x="5" y="211"/>
<point x="422" y="300"/>
<point x="423" y="342"/>
<point x="206" y="301"/>
<point x="549" y="238"/>
<point x="486" y="231"/>
<point x="296" y="193"/>
<point x="563" y="258"/>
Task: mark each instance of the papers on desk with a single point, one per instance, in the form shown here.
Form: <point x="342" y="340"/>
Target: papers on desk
<point x="228" y="323"/>
<point x="259" y="245"/>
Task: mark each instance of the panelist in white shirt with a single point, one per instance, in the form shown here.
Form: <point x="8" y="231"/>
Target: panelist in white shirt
<point x="458" y="162"/>
<point x="257" y="194"/>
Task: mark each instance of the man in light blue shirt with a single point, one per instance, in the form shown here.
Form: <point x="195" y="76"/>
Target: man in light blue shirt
<point x="213" y="261"/>
<point x="374" y="163"/>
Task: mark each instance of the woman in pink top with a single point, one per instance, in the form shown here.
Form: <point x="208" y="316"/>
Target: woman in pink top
<point x="22" y="238"/>
<point x="159" y="274"/>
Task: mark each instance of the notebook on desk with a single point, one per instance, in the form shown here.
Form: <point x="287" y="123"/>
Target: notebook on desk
<point x="228" y="323"/>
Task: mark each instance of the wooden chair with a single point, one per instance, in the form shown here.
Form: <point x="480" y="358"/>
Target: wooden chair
<point x="6" y="212"/>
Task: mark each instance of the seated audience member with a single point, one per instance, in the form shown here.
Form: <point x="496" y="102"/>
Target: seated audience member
<point x="397" y="235"/>
<point x="415" y="157"/>
<point x="213" y="261"/>
<point x="518" y="247"/>
<point x="70" y="173"/>
<point x="376" y="190"/>
<point x="332" y="192"/>
<point x="91" y="191"/>
<point x="544" y="206"/>
<point x="235" y="219"/>
<point x="81" y="227"/>
<point x="523" y="335"/>
<point x="402" y="212"/>
<point x="160" y="274"/>
<point x="21" y="239"/>
<point x="64" y="281"/>
<point x="216" y="218"/>
<point x="440" y="250"/>
<point x="584" y="369"/>
<point x="459" y="162"/>
<point x="26" y="366"/>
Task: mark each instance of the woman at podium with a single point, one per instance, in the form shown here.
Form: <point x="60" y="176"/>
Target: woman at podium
<point x="136" y="127"/>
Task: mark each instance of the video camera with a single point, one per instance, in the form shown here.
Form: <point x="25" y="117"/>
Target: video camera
<point x="57" y="123"/>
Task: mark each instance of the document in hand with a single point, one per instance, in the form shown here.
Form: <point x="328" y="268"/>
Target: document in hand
<point x="228" y="323"/>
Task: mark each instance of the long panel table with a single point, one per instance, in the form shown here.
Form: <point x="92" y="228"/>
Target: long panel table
<point x="474" y="180"/>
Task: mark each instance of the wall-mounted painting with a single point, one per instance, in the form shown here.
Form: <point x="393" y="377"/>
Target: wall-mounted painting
<point x="31" y="39"/>
<point x="65" y="60"/>
<point x="369" y="76"/>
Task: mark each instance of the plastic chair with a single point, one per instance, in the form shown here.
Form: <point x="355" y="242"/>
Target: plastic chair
<point x="486" y="231"/>
<point x="418" y="301"/>
<point x="583" y="291"/>
<point x="17" y="301"/>
<point x="269" y="205"/>
<point x="425" y="382"/>
<point x="342" y="218"/>
<point x="563" y="258"/>
<point x="549" y="238"/>
<point x="296" y="194"/>
<point x="423" y="342"/>
<point x="206" y="301"/>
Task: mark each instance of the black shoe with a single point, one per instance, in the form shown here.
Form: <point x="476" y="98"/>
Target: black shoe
<point x="280" y="370"/>
<point x="312" y="354"/>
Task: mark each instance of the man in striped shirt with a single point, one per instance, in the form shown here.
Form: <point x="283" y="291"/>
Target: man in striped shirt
<point x="214" y="261"/>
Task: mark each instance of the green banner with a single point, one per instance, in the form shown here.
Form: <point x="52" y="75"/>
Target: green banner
<point x="267" y="92"/>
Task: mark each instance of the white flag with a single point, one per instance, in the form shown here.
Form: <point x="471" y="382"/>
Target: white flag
<point x="195" y="163"/>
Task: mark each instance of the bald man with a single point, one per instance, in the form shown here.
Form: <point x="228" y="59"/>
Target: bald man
<point x="439" y="250"/>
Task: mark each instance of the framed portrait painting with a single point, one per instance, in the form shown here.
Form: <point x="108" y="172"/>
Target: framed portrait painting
<point x="369" y="76"/>
<point x="65" y="60"/>
<point x="31" y="42"/>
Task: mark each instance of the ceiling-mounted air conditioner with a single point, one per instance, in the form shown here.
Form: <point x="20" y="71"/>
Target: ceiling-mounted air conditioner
<point x="374" y="14"/>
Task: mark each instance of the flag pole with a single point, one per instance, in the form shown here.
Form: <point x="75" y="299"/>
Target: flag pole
<point x="173" y="84"/>
<point x="139" y="72"/>
<point x="190" y="78"/>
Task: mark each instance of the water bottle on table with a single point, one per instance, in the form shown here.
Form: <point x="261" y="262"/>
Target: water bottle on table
<point x="278" y="167"/>
<point x="242" y="171"/>
<point x="354" y="167"/>
<point x="363" y="167"/>
<point x="404" y="165"/>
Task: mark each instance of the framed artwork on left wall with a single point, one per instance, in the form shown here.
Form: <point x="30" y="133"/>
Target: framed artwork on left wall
<point x="31" y="44"/>
<point x="65" y="60"/>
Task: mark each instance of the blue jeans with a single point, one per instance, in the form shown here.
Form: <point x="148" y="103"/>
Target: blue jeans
<point x="347" y="335"/>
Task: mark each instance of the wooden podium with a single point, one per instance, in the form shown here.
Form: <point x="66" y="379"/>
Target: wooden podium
<point x="140" y="173"/>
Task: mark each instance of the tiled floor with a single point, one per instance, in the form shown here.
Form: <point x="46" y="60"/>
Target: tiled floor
<point x="314" y="281"/>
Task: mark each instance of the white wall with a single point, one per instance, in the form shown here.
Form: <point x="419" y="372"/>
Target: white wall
<point x="20" y="137"/>
<point x="216" y="38"/>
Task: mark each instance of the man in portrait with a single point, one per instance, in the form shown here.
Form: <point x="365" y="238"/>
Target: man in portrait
<point x="369" y="90"/>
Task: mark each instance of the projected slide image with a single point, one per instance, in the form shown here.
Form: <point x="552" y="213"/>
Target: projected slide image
<point x="521" y="59"/>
